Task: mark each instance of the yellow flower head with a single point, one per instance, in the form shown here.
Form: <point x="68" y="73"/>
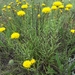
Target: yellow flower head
<point x="54" y="8"/>
<point x="27" y="3"/>
<point x="10" y="3"/>
<point x="67" y="9"/>
<point x="17" y="0"/>
<point x="39" y="16"/>
<point x="27" y="64"/>
<point x="8" y="6"/>
<point x="24" y="6"/>
<point x="72" y="31"/>
<point x="4" y="6"/>
<point x="3" y="9"/>
<point x="46" y="10"/>
<point x="43" y="4"/>
<point x="33" y="61"/>
<point x="57" y="3"/>
<point x="18" y="3"/>
<point x="15" y="35"/>
<point x="21" y="13"/>
<point x="69" y="6"/>
<point x="2" y="29"/>
<point x="61" y="6"/>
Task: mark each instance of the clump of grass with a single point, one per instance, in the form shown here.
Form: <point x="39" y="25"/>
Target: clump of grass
<point x="37" y="31"/>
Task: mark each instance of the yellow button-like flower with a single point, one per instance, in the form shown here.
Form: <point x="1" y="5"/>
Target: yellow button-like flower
<point x="15" y="35"/>
<point x="69" y="6"/>
<point x="10" y="3"/>
<point x="33" y="61"/>
<point x="57" y="3"/>
<point x="46" y="10"/>
<point x="3" y="9"/>
<point x="24" y="6"/>
<point x="43" y="4"/>
<point x="67" y="9"/>
<point x="39" y="16"/>
<point x="54" y="8"/>
<point x="21" y="13"/>
<point x="2" y="29"/>
<point x="19" y="3"/>
<point x="72" y="31"/>
<point x="61" y="6"/>
<point x="27" y="64"/>
<point x="8" y="6"/>
<point x="4" y="6"/>
<point x="17" y="0"/>
<point x="27" y="3"/>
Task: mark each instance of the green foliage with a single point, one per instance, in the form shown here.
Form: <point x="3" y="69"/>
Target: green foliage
<point x="47" y="39"/>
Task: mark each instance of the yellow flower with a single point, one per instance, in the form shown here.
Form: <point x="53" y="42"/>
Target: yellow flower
<point x="18" y="3"/>
<point x="2" y="29"/>
<point x="72" y="31"/>
<point x="15" y="35"/>
<point x="33" y="61"/>
<point x="17" y="0"/>
<point x="21" y="13"/>
<point x="54" y="8"/>
<point x="4" y="6"/>
<point x="3" y="9"/>
<point x="39" y="16"/>
<point x="27" y="3"/>
<point x="8" y="6"/>
<point x="27" y="64"/>
<point x="69" y="6"/>
<point x="24" y="6"/>
<point x="10" y="3"/>
<point x="61" y="6"/>
<point x="67" y="9"/>
<point x="43" y="4"/>
<point x="57" y="3"/>
<point x="46" y="10"/>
